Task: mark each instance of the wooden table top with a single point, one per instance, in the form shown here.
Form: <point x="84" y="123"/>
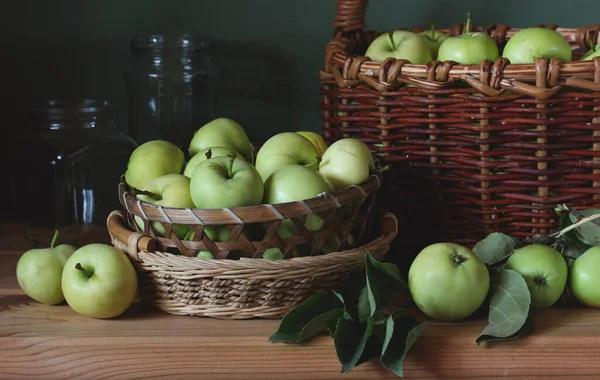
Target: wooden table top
<point x="54" y="342"/>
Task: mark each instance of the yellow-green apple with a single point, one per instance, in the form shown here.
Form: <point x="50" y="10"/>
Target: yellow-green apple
<point x="544" y="269"/>
<point x="151" y="160"/>
<point x="593" y="53"/>
<point x="434" y="39"/>
<point x="225" y="182"/>
<point x="400" y="44"/>
<point x="447" y="281"/>
<point x="39" y="272"/>
<point x="316" y="139"/>
<point x="171" y="190"/>
<point x="203" y="155"/>
<point x="293" y="183"/>
<point x="99" y="281"/>
<point x="469" y="48"/>
<point x="528" y="44"/>
<point x="283" y="149"/>
<point x="346" y="162"/>
<point x="222" y="132"/>
<point x="584" y="278"/>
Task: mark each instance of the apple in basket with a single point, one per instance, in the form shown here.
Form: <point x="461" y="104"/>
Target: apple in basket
<point x="99" y="281"/>
<point x="593" y="53"/>
<point x="286" y="148"/>
<point x="434" y="39"/>
<point x="528" y="44"/>
<point x="317" y="140"/>
<point x="469" y="48"/>
<point x="205" y="154"/>
<point x="400" y="44"/>
<point x="151" y="160"/>
<point x="222" y="132"/>
<point x="39" y="272"/>
<point x="171" y="190"/>
<point x="347" y="162"/>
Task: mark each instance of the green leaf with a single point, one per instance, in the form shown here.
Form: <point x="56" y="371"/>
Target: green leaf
<point x="588" y="233"/>
<point x="509" y="302"/>
<point x="495" y="247"/>
<point x="364" y="305"/>
<point x="313" y="317"/>
<point x="401" y="333"/>
<point x="527" y="327"/>
<point x="350" y="295"/>
<point x="350" y="340"/>
<point x="383" y="286"/>
<point x="571" y="248"/>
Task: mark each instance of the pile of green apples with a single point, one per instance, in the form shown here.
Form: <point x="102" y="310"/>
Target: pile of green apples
<point x="223" y="170"/>
<point x="470" y="48"/>
<point x="449" y="282"/>
<point x="96" y="280"/>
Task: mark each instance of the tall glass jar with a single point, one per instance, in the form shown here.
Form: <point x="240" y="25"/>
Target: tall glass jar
<point x="172" y="85"/>
<point x="73" y="155"/>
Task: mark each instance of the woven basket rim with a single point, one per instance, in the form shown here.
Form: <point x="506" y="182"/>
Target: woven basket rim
<point x="248" y="214"/>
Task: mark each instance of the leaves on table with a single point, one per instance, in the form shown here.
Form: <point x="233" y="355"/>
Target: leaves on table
<point x="401" y="333"/>
<point x="382" y="287"/>
<point x="509" y="303"/>
<point x="495" y="247"/>
<point x="588" y="233"/>
<point x="318" y="314"/>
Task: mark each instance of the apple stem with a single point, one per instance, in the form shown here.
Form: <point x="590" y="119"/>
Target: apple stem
<point x="231" y="155"/>
<point x="208" y="154"/>
<point x="80" y="268"/>
<point x="391" y="35"/>
<point x="432" y="28"/>
<point x="468" y="24"/>
<point x="54" y="239"/>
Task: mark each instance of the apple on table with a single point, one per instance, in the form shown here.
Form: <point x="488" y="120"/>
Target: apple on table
<point x="584" y="278"/>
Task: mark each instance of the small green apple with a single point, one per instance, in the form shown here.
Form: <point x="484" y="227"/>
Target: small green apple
<point x="528" y="44"/>
<point x="226" y="182"/>
<point x="203" y="155"/>
<point x="283" y="149"/>
<point x="222" y="132"/>
<point x="434" y="39"/>
<point x="39" y="272"/>
<point x="448" y="282"/>
<point x="346" y="162"/>
<point x="171" y="190"/>
<point x="469" y="48"/>
<point x="400" y="44"/>
<point x="544" y="269"/>
<point x="317" y="140"/>
<point x="593" y="53"/>
<point x="99" y="281"/>
<point x="584" y="278"/>
<point x="151" y="160"/>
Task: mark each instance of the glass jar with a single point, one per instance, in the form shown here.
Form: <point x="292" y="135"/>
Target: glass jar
<point x="172" y="86"/>
<point x="73" y="155"/>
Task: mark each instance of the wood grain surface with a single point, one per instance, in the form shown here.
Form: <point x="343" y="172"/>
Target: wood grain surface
<point x="54" y="342"/>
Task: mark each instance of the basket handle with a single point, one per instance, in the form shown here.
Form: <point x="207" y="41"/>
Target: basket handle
<point x="350" y="16"/>
<point x="134" y="241"/>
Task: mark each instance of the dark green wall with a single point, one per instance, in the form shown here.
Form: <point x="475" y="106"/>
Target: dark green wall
<point x="271" y="50"/>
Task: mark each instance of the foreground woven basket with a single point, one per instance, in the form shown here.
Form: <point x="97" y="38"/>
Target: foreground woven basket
<point x="477" y="148"/>
<point x="238" y="289"/>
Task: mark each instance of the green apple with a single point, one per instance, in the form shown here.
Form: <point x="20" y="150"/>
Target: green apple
<point x="593" y="53"/>
<point x="200" y="157"/>
<point x="151" y="160"/>
<point x="285" y="231"/>
<point x="528" y="44"/>
<point x="39" y="272"/>
<point x="226" y="182"/>
<point x="584" y="278"/>
<point x="99" y="281"/>
<point x="434" y="39"/>
<point x="400" y="44"/>
<point x="222" y="132"/>
<point x="283" y="149"/>
<point x="316" y="139"/>
<point x="346" y="162"/>
<point x="294" y="183"/>
<point x="469" y="48"/>
<point x="171" y="190"/>
<point x="448" y="282"/>
<point x="544" y="269"/>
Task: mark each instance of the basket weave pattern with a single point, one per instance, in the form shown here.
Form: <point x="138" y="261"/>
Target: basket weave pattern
<point x="499" y="145"/>
<point x="238" y="289"/>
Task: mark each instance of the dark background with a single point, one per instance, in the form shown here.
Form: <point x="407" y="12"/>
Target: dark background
<point x="270" y="50"/>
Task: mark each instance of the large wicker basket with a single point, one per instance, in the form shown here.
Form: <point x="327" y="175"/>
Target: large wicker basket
<point x="471" y="149"/>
